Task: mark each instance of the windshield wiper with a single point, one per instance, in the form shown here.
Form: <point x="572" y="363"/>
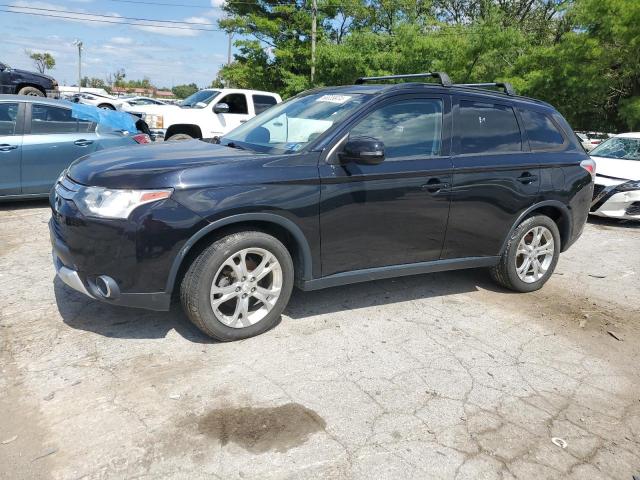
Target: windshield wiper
<point x="234" y="145"/>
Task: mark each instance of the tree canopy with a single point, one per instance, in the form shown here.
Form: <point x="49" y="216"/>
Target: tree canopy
<point x="42" y="61"/>
<point x="580" y="55"/>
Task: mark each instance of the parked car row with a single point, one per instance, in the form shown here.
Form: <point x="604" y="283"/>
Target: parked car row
<point x="40" y="137"/>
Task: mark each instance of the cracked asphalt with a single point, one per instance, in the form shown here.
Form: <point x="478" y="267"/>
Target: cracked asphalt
<point x="426" y="377"/>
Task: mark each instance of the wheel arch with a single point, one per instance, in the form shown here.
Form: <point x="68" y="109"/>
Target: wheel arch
<point x="189" y="128"/>
<point x="20" y="86"/>
<point x="553" y="209"/>
<point x="280" y="227"/>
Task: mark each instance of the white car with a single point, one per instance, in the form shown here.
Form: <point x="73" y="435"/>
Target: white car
<point x="206" y="114"/>
<point x="133" y="103"/>
<point x="617" y="186"/>
<point x="105" y="101"/>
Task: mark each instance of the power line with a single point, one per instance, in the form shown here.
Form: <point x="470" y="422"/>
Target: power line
<point x="112" y="22"/>
<point x="103" y="16"/>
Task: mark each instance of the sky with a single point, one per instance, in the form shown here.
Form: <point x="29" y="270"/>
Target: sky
<point x="167" y="56"/>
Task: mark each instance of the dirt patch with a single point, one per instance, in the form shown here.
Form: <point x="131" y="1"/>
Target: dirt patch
<point x="260" y="430"/>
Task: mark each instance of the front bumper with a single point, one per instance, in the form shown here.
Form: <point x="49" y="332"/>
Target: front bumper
<point x="611" y="203"/>
<point x="159" y="301"/>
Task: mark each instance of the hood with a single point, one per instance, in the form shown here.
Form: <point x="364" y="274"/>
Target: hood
<point x="150" y="166"/>
<point x="615" y="167"/>
<point x="27" y="73"/>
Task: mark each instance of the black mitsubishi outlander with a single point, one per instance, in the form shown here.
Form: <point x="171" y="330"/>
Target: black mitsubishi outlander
<point x="335" y="186"/>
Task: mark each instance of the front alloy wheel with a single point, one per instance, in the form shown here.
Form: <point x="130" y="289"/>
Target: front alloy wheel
<point x="238" y="286"/>
<point x="246" y="287"/>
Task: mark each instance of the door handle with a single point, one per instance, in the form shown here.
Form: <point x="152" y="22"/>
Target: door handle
<point x="527" y="178"/>
<point x="434" y="186"/>
<point x="6" y="147"/>
<point x="83" y="143"/>
<point x="243" y="121"/>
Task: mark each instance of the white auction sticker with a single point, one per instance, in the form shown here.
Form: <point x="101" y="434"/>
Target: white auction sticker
<point x="334" y="98"/>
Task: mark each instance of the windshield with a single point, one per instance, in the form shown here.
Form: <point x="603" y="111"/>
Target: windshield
<point x="618" y="147"/>
<point x="290" y="126"/>
<point x="203" y="96"/>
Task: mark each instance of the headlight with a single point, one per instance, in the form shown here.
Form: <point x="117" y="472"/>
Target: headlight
<point x="108" y="203"/>
<point x="154" y="121"/>
<point x="628" y="186"/>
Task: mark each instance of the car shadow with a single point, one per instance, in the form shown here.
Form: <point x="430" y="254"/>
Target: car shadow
<point x="8" y="205"/>
<point x="611" y="223"/>
<point x="82" y="313"/>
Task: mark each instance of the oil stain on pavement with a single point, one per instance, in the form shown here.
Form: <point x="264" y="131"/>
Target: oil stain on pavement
<point x="260" y="430"/>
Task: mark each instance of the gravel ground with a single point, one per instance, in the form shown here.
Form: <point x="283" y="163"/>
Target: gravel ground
<point x="432" y="376"/>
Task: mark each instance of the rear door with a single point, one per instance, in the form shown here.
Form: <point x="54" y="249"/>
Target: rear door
<point x="53" y="139"/>
<point x="494" y="177"/>
<point x="11" y="123"/>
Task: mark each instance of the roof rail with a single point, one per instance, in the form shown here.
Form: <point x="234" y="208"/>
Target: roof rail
<point x="508" y="88"/>
<point x="445" y="81"/>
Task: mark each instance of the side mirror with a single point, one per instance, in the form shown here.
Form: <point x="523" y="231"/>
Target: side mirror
<point x="363" y="150"/>
<point x="221" y="108"/>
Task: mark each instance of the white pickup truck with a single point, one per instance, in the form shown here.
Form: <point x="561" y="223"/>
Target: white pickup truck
<point x="205" y="114"/>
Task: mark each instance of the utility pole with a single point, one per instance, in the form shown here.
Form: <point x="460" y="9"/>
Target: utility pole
<point x="229" y="49"/>
<point x="79" y="44"/>
<point x="314" y="21"/>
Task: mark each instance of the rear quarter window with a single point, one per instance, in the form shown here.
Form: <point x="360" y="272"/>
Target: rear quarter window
<point x="542" y="132"/>
<point x="263" y="102"/>
<point x="487" y="128"/>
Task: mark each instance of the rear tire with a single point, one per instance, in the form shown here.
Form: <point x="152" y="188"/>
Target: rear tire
<point x="531" y="255"/>
<point x="220" y="290"/>
<point x="179" y="137"/>
<point x="31" y="92"/>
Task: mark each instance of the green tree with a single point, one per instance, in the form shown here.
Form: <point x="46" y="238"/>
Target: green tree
<point x="183" y="91"/>
<point x="42" y="61"/>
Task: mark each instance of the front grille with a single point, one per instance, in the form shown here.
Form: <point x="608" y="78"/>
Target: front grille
<point x="633" y="209"/>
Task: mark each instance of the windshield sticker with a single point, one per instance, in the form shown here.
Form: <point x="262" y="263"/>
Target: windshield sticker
<point x="334" y="98"/>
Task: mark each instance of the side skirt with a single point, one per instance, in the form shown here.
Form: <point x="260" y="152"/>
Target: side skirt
<point x="378" y="273"/>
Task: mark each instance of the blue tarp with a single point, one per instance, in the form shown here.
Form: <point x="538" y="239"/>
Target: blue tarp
<point x="118" y="121"/>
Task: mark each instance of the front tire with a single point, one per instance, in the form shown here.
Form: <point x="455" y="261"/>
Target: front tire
<point x="31" y="92"/>
<point x="238" y="287"/>
<point x="106" y="106"/>
<point x="531" y="255"/>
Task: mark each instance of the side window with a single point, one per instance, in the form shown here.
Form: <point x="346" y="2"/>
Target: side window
<point x="409" y="128"/>
<point x="262" y="102"/>
<point x="50" y="119"/>
<point x="237" y="103"/>
<point x="8" y="115"/>
<point x="487" y="128"/>
<point x="542" y="132"/>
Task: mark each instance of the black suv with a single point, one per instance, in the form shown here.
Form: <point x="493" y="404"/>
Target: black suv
<point x="23" y="82"/>
<point x="335" y="186"/>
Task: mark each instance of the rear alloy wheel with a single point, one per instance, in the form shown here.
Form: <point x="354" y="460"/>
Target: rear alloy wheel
<point x="531" y="255"/>
<point x="238" y="286"/>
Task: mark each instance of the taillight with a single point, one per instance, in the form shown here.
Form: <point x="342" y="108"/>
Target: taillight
<point x="142" y="138"/>
<point x="590" y="166"/>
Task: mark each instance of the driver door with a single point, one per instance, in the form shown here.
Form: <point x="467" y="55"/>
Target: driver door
<point x="238" y="111"/>
<point x="394" y="212"/>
